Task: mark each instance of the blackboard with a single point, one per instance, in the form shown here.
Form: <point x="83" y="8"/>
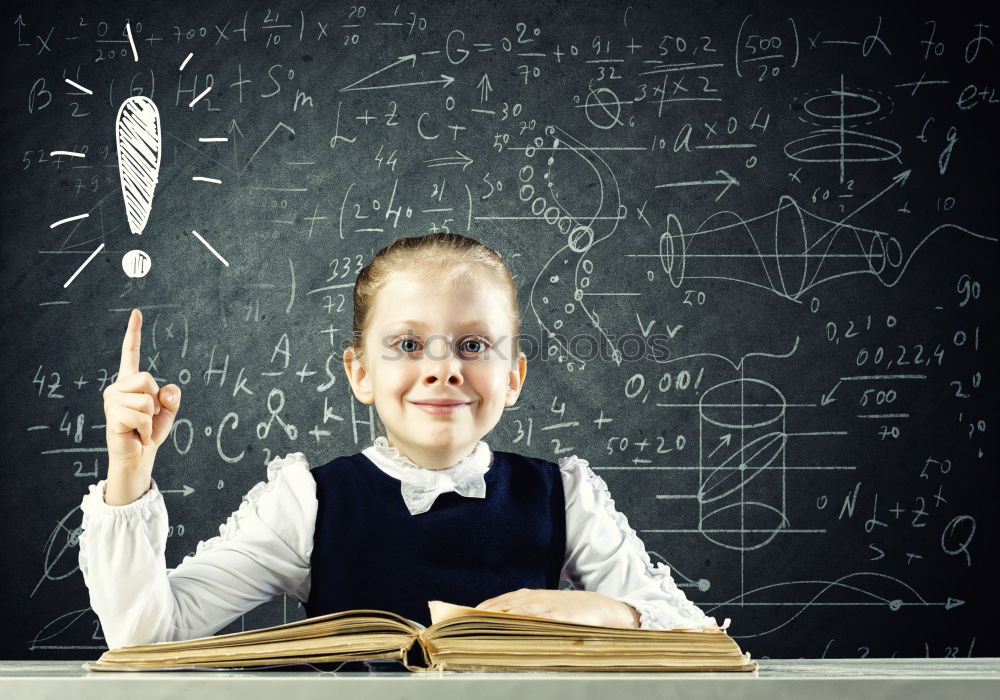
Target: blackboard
<point x="755" y="246"/>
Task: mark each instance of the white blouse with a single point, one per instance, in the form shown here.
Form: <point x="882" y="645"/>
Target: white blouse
<point x="264" y="548"/>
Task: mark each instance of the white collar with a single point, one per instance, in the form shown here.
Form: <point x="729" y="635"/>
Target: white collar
<point x="420" y="487"/>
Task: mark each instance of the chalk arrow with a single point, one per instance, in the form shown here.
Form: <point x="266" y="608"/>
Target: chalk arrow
<point x="897" y="181"/>
<point x="20" y="23"/>
<point x="186" y="491"/>
<point x="234" y="128"/>
<point x="461" y="159"/>
<point x="729" y="181"/>
<point x="723" y="442"/>
<point x="484" y="88"/>
<point x="445" y="80"/>
<point x="828" y="397"/>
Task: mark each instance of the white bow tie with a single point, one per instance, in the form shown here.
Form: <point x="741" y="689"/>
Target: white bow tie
<point x="419" y="497"/>
<point x="420" y="487"/>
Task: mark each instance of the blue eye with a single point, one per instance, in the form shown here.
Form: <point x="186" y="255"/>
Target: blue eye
<point x="480" y="345"/>
<point x="479" y="342"/>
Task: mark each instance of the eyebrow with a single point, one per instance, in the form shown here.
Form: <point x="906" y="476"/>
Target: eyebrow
<point x="417" y="324"/>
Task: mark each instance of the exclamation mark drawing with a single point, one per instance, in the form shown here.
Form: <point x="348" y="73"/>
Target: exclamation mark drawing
<point x="137" y="130"/>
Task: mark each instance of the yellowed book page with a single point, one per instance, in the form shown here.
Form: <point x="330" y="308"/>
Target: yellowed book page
<point x="606" y="662"/>
<point x="361" y="643"/>
<point x="583" y="646"/>
<point x="441" y="611"/>
<point x="394" y="655"/>
<point x="477" y="666"/>
<point x="342" y="623"/>
<point x="458" y="621"/>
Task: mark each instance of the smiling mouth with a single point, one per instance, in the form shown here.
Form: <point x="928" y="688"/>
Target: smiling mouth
<point x="440" y="409"/>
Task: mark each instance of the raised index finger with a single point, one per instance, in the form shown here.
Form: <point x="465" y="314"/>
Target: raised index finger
<point x="130" y="346"/>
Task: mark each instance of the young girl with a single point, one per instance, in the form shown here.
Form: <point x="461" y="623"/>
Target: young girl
<point x="428" y="512"/>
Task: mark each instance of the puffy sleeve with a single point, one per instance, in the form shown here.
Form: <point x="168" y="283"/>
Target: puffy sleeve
<point x="604" y="554"/>
<point x="261" y="551"/>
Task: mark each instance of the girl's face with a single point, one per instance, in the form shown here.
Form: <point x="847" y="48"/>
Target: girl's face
<point x="425" y="342"/>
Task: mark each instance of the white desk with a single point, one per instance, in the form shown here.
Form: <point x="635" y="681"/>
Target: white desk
<point x="826" y="679"/>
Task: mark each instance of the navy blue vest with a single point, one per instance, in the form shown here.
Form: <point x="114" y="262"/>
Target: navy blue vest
<point x="369" y="552"/>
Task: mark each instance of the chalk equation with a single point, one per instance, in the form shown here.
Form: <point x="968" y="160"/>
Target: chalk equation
<point x="754" y="251"/>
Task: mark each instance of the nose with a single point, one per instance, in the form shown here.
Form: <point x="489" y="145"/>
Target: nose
<point x="442" y="364"/>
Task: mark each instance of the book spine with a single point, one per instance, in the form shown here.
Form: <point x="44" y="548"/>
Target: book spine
<point x="416" y="656"/>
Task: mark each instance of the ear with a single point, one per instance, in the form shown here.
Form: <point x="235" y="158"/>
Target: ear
<point x="515" y="379"/>
<point x="357" y="375"/>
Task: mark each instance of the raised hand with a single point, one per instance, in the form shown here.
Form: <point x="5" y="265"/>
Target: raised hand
<point x="138" y="417"/>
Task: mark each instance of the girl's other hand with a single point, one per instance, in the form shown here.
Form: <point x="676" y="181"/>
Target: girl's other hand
<point x="138" y="418"/>
<point x="584" y="607"/>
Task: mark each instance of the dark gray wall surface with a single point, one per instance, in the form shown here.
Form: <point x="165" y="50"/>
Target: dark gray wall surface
<point x="755" y="247"/>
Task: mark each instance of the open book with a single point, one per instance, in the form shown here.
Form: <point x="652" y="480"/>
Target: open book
<point x="460" y="639"/>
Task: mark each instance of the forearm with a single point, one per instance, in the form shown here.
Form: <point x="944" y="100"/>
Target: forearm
<point x="624" y="615"/>
<point x="121" y="558"/>
<point x="612" y="612"/>
<point x="124" y="486"/>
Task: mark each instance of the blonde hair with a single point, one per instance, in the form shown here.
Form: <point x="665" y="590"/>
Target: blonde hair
<point x="435" y="257"/>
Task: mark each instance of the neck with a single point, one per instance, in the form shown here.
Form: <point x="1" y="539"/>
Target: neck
<point x="433" y="459"/>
